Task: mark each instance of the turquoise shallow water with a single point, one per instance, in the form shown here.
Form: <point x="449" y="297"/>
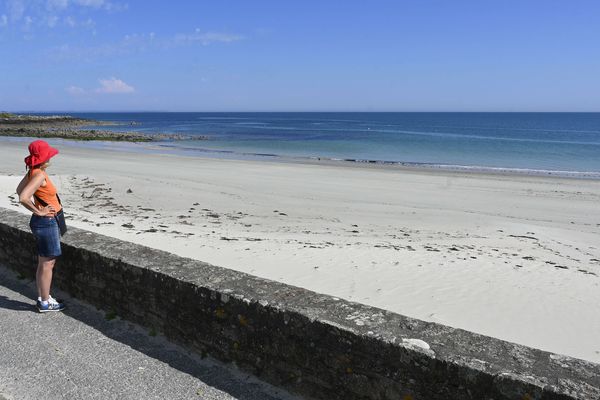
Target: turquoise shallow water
<point x="537" y="141"/>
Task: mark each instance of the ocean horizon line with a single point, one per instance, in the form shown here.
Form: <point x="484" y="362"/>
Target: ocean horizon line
<point x="291" y="112"/>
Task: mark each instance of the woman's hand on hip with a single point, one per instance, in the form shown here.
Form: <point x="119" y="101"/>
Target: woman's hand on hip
<point x="45" y="211"/>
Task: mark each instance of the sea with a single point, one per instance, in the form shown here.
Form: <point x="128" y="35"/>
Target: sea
<point x="544" y="143"/>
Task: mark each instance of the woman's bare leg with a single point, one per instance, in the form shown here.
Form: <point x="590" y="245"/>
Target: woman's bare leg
<point x="43" y="277"/>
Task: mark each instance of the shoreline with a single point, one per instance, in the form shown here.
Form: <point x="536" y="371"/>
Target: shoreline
<point x="505" y="256"/>
<point x="161" y="146"/>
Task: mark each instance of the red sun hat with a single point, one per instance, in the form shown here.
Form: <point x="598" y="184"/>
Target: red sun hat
<point x="39" y="152"/>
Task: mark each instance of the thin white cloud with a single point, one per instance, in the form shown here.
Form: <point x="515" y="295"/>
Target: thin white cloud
<point x="114" y="85"/>
<point x="57" y="4"/>
<point x="28" y="22"/>
<point x="102" y="4"/>
<point x="88" y="23"/>
<point x="72" y="22"/>
<point x="206" y="38"/>
<point x="116" y="7"/>
<point x="31" y="15"/>
<point x="52" y="20"/>
<point x="137" y="43"/>
<point x="90" y="3"/>
<point x="67" y="52"/>
<point x="16" y="9"/>
<point x="75" y="90"/>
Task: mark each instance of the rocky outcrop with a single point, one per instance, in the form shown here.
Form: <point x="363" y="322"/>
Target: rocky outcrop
<point x="67" y="127"/>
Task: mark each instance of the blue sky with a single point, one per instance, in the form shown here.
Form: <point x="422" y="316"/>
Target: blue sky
<point x="421" y="55"/>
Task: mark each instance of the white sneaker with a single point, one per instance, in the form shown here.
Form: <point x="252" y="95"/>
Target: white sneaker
<point x="52" y="300"/>
<point x="49" y="307"/>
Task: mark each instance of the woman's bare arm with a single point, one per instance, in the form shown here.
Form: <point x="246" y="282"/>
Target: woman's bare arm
<point x="22" y="184"/>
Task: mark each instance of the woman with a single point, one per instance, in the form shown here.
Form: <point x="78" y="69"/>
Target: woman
<point x="36" y="189"/>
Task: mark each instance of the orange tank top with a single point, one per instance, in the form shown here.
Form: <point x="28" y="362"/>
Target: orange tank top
<point x="45" y="193"/>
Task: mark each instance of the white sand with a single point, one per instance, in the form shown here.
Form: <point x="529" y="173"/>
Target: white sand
<point x="513" y="257"/>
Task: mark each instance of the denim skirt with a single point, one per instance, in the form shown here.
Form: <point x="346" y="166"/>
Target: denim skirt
<point x="47" y="235"/>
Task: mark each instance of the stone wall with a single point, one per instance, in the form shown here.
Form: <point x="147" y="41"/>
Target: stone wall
<point x="312" y="344"/>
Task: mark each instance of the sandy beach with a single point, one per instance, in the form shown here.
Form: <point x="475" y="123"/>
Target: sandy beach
<point x="514" y="257"/>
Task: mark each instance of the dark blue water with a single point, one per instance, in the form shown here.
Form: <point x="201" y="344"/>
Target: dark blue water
<point x="539" y="141"/>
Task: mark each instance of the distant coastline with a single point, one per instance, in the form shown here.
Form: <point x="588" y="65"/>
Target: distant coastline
<point x="69" y="127"/>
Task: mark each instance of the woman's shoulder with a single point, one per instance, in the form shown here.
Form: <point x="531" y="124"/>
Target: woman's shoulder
<point x="36" y="173"/>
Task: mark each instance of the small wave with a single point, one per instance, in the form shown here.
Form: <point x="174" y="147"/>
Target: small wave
<point x="220" y="118"/>
<point x="476" y="168"/>
<point x="501" y="128"/>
